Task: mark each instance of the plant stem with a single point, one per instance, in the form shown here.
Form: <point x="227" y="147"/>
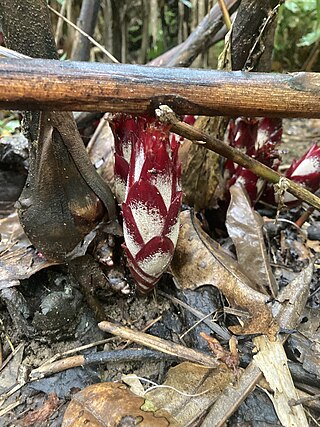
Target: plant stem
<point x="166" y="115"/>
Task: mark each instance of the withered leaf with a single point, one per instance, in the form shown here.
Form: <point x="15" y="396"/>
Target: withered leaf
<point x="291" y="301"/>
<point x="199" y="260"/>
<point x="18" y="259"/>
<point x="287" y="314"/>
<point x="101" y="151"/>
<point x="199" y="386"/>
<point x="272" y="361"/>
<point x="111" y="404"/>
<point x="245" y="227"/>
<point x="11" y="233"/>
<point x="41" y="415"/>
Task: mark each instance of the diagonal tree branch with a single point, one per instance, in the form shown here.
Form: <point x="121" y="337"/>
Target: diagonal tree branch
<point x="166" y="115"/>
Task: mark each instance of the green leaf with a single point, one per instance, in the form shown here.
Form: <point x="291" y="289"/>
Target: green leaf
<point x="310" y="38"/>
<point x="292" y="6"/>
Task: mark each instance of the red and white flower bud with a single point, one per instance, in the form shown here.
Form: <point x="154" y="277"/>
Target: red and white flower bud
<point x="147" y="177"/>
<point x="258" y="138"/>
<point x="305" y="171"/>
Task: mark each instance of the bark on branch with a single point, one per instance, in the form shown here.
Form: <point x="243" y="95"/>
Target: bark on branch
<point x="38" y="84"/>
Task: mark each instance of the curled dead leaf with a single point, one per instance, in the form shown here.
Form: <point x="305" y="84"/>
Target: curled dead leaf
<point x="18" y="258"/>
<point x="199" y="260"/>
<point x="111" y="405"/>
<point x="245" y="227"/>
<point x="189" y="390"/>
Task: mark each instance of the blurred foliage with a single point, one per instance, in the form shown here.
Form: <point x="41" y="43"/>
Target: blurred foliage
<point x="9" y="123"/>
<point x="298" y="35"/>
<point x="167" y="33"/>
<point x="165" y="36"/>
<point x="296" y="47"/>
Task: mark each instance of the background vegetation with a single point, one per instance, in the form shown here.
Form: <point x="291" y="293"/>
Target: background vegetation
<point x="137" y="31"/>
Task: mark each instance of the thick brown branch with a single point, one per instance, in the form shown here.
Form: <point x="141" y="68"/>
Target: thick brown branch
<point x="39" y="84"/>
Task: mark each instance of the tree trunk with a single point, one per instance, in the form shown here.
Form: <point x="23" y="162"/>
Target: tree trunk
<point x="87" y="22"/>
<point x="124" y="32"/>
<point x="64" y="197"/>
<point x="247" y="31"/>
<point x="145" y="31"/>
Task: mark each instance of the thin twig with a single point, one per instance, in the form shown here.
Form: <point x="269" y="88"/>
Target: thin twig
<point x="304" y="217"/>
<point x="221" y="332"/>
<point x="303" y="400"/>
<point x="166" y="115"/>
<point x="10" y="407"/>
<point x="144" y="329"/>
<point x="312" y="417"/>
<point x="159" y="344"/>
<point x="198" y="322"/>
<point x="225" y="14"/>
<point x="14" y="351"/>
<point x="74" y="350"/>
<point x="9" y="53"/>
<point x="91" y="39"/>
<point x="100" y="357"/>
<point x="266" y="23"/>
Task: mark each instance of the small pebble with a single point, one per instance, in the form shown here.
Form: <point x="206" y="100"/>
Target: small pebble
<point x="314" y="232"/>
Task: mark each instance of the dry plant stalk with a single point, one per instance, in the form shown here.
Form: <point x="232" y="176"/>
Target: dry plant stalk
<point x="166" y="115"/>
<point x="159" y="344"/>
<point x="272" y="361"/>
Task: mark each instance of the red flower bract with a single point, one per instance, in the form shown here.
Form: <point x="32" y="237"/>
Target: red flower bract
<point x="306" y="172"/>
<point x="259" y="139"/>
<point x="147" y="180"/>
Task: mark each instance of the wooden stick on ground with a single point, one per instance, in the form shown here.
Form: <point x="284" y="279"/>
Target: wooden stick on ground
<point x="159" y="344"/>
<point x="166" y="115"/>
<point x="100" y="357"/>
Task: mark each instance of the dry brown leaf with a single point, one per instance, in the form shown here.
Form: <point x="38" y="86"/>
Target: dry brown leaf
<point x="18" y="259"/>
<point x="9" y="373"/>
<point x="198" y="261"/>
<point x="229" y="358"/>
<point x="272" y="361"/>
<point x="101" y="151"/>
<point x="111" y="404"/>
<point x="314" y="245"/>
<point x="11" y="233"/>
<point x="292" y="299"/>
<point x="245" y="227"/>
<point x="310" y="328"/>
<point x="42" y="414"/>
<point x="288" y="315"/>
<point x="201" y="387"/>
